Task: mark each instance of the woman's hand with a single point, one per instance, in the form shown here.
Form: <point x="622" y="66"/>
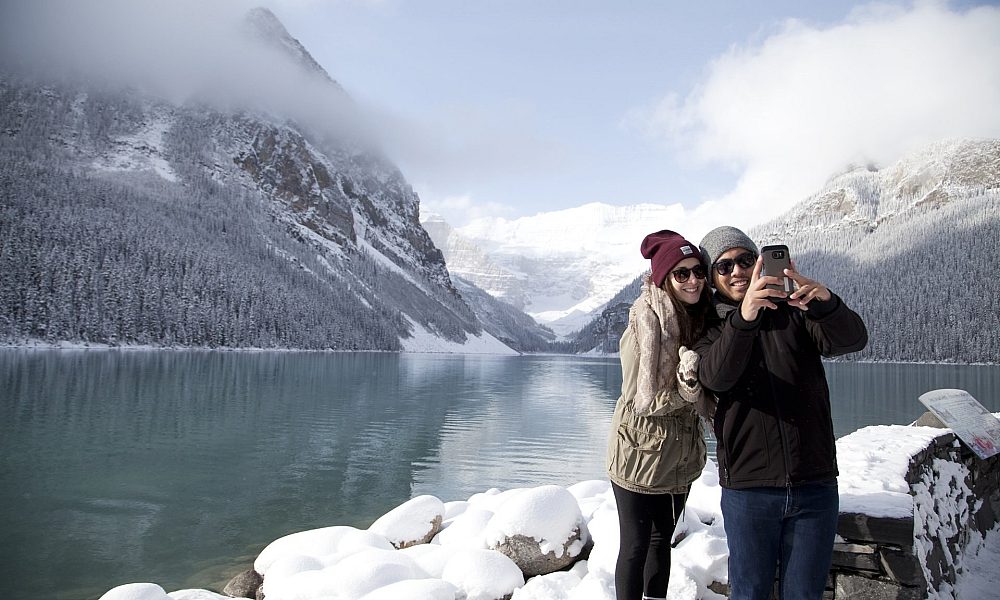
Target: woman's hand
<point x="687" y="368"/>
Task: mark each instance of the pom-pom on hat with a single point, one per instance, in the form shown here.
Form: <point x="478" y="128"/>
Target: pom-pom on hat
<point x="665" y="249"/>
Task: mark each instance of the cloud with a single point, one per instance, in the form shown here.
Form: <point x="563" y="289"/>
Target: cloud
<point x="462" y="146"/>
<point x="179" y="50"/>
<point x="805" y="102"/>
<point x="460" y="209"/>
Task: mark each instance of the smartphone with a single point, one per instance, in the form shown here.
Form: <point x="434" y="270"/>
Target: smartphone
<point x="776" y="260"/>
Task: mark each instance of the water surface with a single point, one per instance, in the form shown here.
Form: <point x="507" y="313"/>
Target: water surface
<point x="177" y="467"/>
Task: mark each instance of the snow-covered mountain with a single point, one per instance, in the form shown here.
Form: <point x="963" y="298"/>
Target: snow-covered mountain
<point x="559" y="266"/>
<point x="909" y="246"/>
<point x="505" y="322"/>
<point x="130" y="217"/>
<point x="957" y="180"/>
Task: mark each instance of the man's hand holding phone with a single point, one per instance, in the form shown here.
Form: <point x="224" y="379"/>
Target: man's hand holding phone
<point x="806" y="291"/>
<point x="759" y="296"/>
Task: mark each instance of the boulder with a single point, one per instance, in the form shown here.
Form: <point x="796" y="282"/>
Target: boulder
<point x="541" y="529"/>
<point x="929" y="419"/>
<point x="526" y="552"/>
<point x="244" y="585"/>
<point x="416" y="521"/>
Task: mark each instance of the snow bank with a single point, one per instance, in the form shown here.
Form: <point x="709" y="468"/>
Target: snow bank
<point x="344" y="563"/>
<point x="422" y="340"/>
<point x="873" y="463"/>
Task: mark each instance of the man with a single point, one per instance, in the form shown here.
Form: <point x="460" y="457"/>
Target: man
<point x="776" y="449"/>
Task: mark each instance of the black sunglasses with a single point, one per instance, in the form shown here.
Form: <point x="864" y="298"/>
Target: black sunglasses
<point x="681" y="274"/>
<point x="726" y="265"/>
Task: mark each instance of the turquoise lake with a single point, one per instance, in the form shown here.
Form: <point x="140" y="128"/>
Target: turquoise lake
<point x="177" y="467"/>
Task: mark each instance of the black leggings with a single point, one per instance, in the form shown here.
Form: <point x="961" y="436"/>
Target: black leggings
<point x="646" y="522"/>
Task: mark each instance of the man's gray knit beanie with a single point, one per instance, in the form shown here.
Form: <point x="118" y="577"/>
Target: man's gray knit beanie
<point x="720" y="239"/>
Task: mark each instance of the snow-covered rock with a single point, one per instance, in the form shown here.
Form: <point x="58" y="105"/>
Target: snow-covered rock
<point x="416" y="521"/>
<point x="420" y="589"/>
<point x="536" y="544"/>
<point x="467" y="529"/>
<point x="483" y="574"/>
<point x="317" y="544"/>
<point x="198" y="595"/>
<point x="949" y="533"/>
<point x="136" y="591"/>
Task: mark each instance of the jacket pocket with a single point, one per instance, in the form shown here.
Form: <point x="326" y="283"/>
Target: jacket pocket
<point x="638" y="456"/>
<point x="641" y="439"/>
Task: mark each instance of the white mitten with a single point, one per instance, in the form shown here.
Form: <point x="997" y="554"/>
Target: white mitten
<point x="687" y="368"/>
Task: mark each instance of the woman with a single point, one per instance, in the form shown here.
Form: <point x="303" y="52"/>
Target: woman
<point x="656" y="448"/>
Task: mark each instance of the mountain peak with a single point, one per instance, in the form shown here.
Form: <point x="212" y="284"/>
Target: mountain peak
<point x="263" y="25"/>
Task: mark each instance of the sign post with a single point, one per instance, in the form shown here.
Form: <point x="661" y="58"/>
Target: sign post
<point x="970" y="421"/>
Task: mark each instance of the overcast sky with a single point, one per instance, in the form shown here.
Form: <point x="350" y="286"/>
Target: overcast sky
<point x="736" y="110"/>
<point x="732" y="110"/>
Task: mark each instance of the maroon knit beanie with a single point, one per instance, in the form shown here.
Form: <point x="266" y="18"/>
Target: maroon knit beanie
<point x="665" y="249"/>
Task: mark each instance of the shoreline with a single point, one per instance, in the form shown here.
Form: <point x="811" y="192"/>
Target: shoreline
<point x="425" y="543"/>
<point x="33" y="345"/>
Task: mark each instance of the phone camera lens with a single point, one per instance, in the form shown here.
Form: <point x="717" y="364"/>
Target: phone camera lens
<point x="778" y="254"/>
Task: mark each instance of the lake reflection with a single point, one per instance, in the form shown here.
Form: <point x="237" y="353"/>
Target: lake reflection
<point x="177" y="467"/>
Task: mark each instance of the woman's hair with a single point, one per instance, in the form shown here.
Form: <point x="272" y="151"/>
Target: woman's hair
<point x="690" y="317"/>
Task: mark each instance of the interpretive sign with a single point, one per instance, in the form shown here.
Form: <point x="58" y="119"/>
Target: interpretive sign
<point x="970" y="421"/>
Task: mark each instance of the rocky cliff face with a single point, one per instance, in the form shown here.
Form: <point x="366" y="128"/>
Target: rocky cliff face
<point x="308" y="210"/>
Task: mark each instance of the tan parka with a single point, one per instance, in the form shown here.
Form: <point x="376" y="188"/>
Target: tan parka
<point x="656" y="444"/>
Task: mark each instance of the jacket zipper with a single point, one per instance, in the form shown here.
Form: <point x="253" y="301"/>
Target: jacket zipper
<point x="781" y="429"/>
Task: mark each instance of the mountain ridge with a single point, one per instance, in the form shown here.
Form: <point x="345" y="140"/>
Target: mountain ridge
<point x="882" y="238"/>
<point x="322" y="228"/>
<point x="557" y="266"/>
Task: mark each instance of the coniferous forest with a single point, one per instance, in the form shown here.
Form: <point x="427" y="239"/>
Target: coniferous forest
<point x="235" y="234"/>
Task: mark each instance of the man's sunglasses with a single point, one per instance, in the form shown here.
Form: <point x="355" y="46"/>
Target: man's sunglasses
<point x="726" y="265"/>
<point x="682" y="274"/>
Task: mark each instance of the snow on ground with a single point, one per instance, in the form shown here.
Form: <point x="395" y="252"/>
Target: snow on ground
<point x="425" y="341"/>
<point x="873" y="462"/>
<point x="420" y="342"/>
<point x="981" y="578"/>
<point x="142" y="151"/>
<point x="345" y="563"/>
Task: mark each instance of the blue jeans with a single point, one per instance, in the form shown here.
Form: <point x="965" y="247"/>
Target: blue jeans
<point x="788" y="528"/>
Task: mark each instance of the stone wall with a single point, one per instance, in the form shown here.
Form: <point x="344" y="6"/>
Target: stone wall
<point x="956" y="501"/>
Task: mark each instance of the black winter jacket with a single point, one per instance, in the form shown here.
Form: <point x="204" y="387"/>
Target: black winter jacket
<point x="773" y="421"/>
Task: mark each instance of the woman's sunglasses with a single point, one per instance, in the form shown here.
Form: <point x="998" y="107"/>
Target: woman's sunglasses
<point x="726" y="265"/>
<point x="682" y="274"/>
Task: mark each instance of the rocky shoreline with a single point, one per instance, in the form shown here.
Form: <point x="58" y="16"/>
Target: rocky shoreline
<point x="916" y="504"/>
